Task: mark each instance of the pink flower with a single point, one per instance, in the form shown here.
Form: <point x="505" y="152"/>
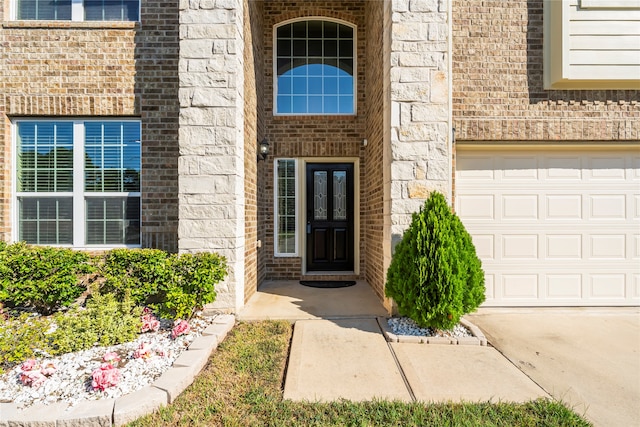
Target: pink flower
<point x="149" y="321"/>
<point x="144" y="351"/>
<point x="48" y="369"/>
<point x="32" y="378"/>
<point x="28" y="365"/>
<point x="111" y="357"/>
<point x="180" y="327"/>
<point x="105" y="376"/>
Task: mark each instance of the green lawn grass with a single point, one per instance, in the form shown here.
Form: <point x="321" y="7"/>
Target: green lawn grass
<point x="242" y="386"/>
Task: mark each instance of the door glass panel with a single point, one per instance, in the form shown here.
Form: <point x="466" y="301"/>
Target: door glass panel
<point x="320" y="195"/>
<point x="340" y="195"/>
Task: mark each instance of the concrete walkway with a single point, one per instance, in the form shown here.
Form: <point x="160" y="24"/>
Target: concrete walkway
<point x="587" y="357"/>
<point x="350" y="359"/>
<point x="289" y="300"/>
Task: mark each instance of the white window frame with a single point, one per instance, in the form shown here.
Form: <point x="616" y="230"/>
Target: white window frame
<point x="79" y="195"/>
<point x="77" y="13"/>
<point x="558" y="71"/>
<point x="276" y="216"/>
<point x="275" y="65"/>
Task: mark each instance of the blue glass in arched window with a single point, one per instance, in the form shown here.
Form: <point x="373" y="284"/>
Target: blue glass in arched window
<point x="315" y="68"/>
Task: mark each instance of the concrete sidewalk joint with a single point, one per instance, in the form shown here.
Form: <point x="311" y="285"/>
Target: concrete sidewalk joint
<point x="120" y="411"/>
<point x="478" y="337"/>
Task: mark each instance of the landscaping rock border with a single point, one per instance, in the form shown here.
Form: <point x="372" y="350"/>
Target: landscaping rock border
<point x="120" y="411"/>
<point x="478" y="337"/>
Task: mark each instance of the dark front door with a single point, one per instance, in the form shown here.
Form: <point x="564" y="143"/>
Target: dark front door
<point x="330" y="217"/>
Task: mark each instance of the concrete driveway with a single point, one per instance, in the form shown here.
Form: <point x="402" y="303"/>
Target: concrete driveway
<point x="587" y="357"/>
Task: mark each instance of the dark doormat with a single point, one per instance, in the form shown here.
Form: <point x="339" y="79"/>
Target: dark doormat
<point x="328" y="283"/>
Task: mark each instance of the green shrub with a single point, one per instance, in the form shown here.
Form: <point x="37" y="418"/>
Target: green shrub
<point x="192" y="283"/>
<point x="41" y="277"/>
<point x="139" y="273"/>
<point x="20" y="337"/>
<point x="435" y="275"/>
<point x="105" y="321"/>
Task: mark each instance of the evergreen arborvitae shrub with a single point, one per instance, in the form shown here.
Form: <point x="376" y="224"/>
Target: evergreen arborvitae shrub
<point x="435" y="276"/>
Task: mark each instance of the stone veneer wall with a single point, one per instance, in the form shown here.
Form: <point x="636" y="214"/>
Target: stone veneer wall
<point x="417" y="158"/>
<point x="309" y="136"/>
<point x="253" y="132"/>
<point x="498" y="92"/>
<point x="73" y="69"/>
<point x="211" y="176"/>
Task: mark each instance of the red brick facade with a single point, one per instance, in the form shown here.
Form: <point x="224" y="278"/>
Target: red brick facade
<point x="68" y="70"/>
<point x="498" y="92"/>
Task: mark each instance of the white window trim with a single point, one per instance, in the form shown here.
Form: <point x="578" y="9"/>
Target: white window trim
<point x="276" y="253"/>
<point x="77" y="13"/>
<point x="557" y="70"/>
<point x="79" y="226"/>
<point x="275" y="65"/>
<point x="610" y="4"/>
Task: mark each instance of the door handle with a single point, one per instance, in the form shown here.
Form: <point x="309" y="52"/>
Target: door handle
<point x="309" y="227"/>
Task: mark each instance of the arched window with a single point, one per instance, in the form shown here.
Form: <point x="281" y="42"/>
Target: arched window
<point x="314" y="67"/>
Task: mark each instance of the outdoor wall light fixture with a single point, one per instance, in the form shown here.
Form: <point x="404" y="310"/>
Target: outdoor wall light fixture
<point x="263" y="149"/>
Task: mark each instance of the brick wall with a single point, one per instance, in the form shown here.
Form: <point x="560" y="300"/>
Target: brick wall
<point x="309" y="136"/>
<point x="253" y="131"/>
<point x="372" y="206"/>
<point x="498" y="92"/>
<point x="65" y="70"/>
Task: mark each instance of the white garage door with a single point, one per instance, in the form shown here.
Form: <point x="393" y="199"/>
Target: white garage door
<point x="553" y="227"/>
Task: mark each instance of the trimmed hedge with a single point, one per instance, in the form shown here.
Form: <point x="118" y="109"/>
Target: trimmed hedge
<point x="41" y="277"/>
<point x="174" y="284"/>
<point x="48" y="279"/>
<point x="435" y="276"/>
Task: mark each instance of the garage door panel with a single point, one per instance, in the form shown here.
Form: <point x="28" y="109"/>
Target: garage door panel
<point x="520" y="168"/>
<point x="554" y="228"/>
<point x="564" y="206"/>
<point x="609" y="246"/>
<point x="477" y="206"/>
<point x="608" y="206"/>
<point x="519" y="286"/>
<point x="564" y="287"/>
<point x="635" y="168"/>
<point x="607" y="168"/>
<point x="485" y="246"/>
<point x="476" y="167"/>
<point x="520" y="206"/>
<point x="563" y="246"/>
<point x="489" y="286"/>
<point x="520" y="246"/>
<point x="608" y="286"/>
<point x="563" y="168"/>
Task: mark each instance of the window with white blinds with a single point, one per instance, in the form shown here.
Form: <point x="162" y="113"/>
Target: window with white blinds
<point x="78" y="10"/>
<point x="78" y="182"/>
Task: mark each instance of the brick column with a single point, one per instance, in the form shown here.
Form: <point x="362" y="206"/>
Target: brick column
<point x="211" y="162"/>
<point x="417" y="111"/>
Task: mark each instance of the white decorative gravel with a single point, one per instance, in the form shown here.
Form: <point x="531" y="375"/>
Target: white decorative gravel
<point x="406" y="326"/>
<point x="72" y="380"/>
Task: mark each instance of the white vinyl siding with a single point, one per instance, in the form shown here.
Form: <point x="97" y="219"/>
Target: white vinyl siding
<point x="553" y="227"/>
<point x="592" y="44"/>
